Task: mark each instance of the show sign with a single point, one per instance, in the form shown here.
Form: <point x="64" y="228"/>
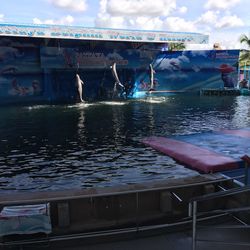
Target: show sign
<point x="100" y="58"/>
<point x="82" y="33"/>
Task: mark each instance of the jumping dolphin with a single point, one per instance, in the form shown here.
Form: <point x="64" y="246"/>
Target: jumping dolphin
<point x="79" y="84"/>
<point x="117" y="81"/>
<point x="152" y="72"/>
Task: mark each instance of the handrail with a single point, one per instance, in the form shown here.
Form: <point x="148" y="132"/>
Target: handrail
<point x="193" y="207"/>
<point x="233" y="191"/>
<point x="101" y="233"/>
<point x="67" y="197"/>
<point x="246" y="159"/>
<point x="220" y="194"/>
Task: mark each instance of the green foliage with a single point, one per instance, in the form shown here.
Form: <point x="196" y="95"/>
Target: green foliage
<point x="176" y="46"/>
<point x="245" y="39"/>
<point x="245" y="54"/>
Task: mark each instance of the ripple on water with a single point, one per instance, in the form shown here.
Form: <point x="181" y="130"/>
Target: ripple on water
<point x="79" y="146"/>
<point x="113" y="103"/>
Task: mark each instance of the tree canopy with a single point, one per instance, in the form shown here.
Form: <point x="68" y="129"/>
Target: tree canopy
<point x="245" y="54"/>
<point x="176" y="46"/>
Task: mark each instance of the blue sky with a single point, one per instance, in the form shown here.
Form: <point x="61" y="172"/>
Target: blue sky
<point x="223" y="20"/>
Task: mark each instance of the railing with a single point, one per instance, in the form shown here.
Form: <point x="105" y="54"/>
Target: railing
<point x="193" y="208"/>
<point x="192" y="205"/>
<point x="136" y="227"/>
<point x="246" y="159"/>
<point x="67" y="197"/>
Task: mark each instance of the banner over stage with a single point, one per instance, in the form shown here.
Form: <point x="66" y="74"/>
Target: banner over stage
<point x="104" y="34"/>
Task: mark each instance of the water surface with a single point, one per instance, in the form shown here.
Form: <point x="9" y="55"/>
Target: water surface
<point x="59" y="147"/>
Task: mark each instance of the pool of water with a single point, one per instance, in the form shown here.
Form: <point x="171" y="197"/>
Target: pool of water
<point x="99" y="144"/>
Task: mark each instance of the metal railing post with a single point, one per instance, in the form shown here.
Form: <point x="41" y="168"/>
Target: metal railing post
<point x="137" y="211"/>
<point x="246" y="173"/>
<point x="194" y="225"/>
<point x="189" y="209"/>
<point x="246" y="159"/>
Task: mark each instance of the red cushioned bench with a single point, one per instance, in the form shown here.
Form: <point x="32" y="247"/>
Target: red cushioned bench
<point x="197" y="158"/>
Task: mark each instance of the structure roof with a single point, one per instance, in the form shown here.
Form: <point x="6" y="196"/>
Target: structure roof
<point x="104" y="34"/>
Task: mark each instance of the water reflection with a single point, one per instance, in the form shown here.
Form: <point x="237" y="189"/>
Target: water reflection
<point x="241" y="116"/>
<point x="118" y="121"/>
<point x="99" y="144"/>
<point x="81" y="126"/>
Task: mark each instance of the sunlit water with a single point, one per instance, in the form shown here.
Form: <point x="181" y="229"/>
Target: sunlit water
<point x="99" y="144"/>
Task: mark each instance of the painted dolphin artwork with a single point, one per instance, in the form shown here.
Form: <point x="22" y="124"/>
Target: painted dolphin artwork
<point x="79" y="84"/>
<point x="152" y="72"/>
<point x="117" y="81"/>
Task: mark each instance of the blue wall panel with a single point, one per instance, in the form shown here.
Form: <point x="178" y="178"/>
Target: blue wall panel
<point x="45" y="70"/>
<point x="192" y="70"/>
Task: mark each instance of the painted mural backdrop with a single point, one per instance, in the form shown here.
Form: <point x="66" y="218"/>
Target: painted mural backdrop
<point x="95" y="57"/>
<point x="192" y="70"/>
<point x="31" y="71"/>
<point x="92" y="62"/>
<point x="20" y="73"/>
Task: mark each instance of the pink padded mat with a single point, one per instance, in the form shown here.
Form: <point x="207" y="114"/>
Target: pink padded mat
<point x="200" y="159"/>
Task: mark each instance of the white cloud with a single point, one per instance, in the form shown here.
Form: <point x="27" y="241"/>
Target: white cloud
<point x="143" y="14"/>
<point x="209" y="17"/>
<point x="67" y="20"/>
<point x="179" y="24"/>
<point x="229" y="22"/>
<point x="224" y="38"/>
<point x="139" y="7"/>
<point x="73" y="5"/>
<point x="153" y="15"/>
<point x="103" y="5"/>
<point x="114" y="14"/>
<point x="214" y="19"/>
<point x="141" y="22"/>
<point x="146" y="23"/>
<point x="110" y="22"/>
<point x="38" y="21"/>
<point x="1" y="17"/>
<point x="183" y="10"/>
<point x="221" y="4"/>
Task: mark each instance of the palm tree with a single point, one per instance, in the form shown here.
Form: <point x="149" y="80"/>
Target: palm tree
<point x="245" y="54"/>
<point x="176" y="46"/>
<point x="245" y="39"/>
